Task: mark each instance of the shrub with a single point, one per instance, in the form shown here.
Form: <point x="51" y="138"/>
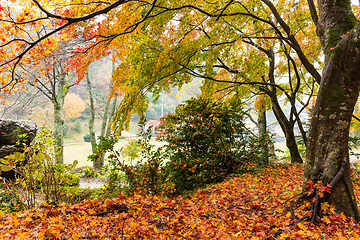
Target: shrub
<point x="76" y="195"/>
<point x="39" y="175"/>
<point x="90" y="173"/>
<point x="8" y="203"/>
<point x="87" y="138"/>
<point x="208" y="141"/>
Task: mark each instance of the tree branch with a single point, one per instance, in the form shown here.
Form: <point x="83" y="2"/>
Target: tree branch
<point x="296" y="46"/>
<point x="83" y="18"/>
<point x="313" y="12"/>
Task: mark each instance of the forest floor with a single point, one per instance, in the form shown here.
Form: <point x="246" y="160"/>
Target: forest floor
<point x="90" y="182"/>
<point x="256" y="205"/>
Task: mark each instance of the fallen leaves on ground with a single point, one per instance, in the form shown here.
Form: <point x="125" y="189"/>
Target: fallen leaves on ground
<point x="249" y="206"/>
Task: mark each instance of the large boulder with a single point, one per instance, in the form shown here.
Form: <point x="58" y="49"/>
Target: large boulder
<point x="14" y="136"/>
<point x="10" y="131"/>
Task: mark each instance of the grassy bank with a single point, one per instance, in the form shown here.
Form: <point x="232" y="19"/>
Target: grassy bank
<point x="79" y="150"/>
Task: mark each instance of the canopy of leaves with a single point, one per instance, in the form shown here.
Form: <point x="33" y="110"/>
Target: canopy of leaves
<point x="158" y="45"/>
<point x="245" y="207"/>
<point x="228" y="51"/>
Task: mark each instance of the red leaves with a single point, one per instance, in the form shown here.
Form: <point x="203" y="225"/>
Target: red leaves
<point x="319" y="187"/>
<point x="309" y="184"/>
<point x="328" y="188"/>
<point x="244" y="207"/>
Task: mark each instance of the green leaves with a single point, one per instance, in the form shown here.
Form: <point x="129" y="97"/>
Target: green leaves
<point x="207" y="141"/>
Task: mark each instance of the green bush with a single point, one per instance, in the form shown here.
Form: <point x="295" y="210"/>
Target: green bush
<point x="87" y="138"/>
<point x="9" y="203"/>
<point x="76" y="195"/>
<point x="208" y="141"/>
<point x="69" y="180"/>
<point x="90" y="173"/>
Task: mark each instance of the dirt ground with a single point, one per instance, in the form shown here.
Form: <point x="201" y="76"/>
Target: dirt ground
<point x="90" y="182"/>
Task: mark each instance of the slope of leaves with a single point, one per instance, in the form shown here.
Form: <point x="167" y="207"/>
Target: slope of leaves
<point x="249" y="206"/>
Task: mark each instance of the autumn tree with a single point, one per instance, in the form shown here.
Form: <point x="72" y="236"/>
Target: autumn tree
<point x="158" y="26"/>
<point x="92" y="114"/>
<point x="55" y="86"/>
<point x="51" y="78"/>
<point x="109" y="109"/>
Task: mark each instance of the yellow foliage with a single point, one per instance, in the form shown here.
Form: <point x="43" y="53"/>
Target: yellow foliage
<point x="73" y="106"/>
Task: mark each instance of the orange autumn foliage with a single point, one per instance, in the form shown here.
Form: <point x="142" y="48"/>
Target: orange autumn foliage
<point x="249" y="206"/>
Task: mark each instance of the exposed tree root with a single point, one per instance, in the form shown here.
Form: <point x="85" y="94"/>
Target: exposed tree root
<point x="339" y="176"/>
<point x="323" y="196"/>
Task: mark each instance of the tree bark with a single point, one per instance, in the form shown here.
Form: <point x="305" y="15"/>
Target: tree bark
<point x="92" y="115"/>
<point x="287" y="126"/>
<point x="263" y="131"/>
<point x="58" y="103"/>
<point x="327" y="145"/>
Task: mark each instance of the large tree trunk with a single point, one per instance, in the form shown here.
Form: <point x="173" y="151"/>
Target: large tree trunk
<point x="327" y="145"/>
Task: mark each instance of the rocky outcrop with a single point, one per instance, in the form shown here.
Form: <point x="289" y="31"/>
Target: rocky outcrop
<point x="14" y="136"/>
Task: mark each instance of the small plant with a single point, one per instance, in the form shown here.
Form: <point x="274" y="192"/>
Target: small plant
<point x="87" y="138"/>
<point x="131" y="150"/>
<point x="90" y="173"/>
<point x="145" y="175"/>
<point x="40" y="177"/>
<point x="76" y="195"/>
<point x="9" y="203"/>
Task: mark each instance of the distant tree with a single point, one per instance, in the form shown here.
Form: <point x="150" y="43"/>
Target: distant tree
<point x="73" y="106"/>
<point x="92" y="115"/>
<point x="54" y="83"/>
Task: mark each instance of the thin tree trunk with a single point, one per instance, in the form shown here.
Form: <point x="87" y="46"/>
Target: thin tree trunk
<point x="112" y="112"/>
<point x="58" y="133"/>
<point x="286" y="125"/>
<point x="104" y="126"/>
<point x="92" y="116"/>
<point x="263" y="132"/>
<point x="58" y="103"/>
<point x="288" y="129"/>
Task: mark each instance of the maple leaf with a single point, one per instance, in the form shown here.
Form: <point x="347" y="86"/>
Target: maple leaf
<point x="309" y="184"/>
<point x="328" y="188"/>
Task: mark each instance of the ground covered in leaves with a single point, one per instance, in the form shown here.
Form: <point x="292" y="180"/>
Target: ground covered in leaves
<point x="249" y="206"/>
